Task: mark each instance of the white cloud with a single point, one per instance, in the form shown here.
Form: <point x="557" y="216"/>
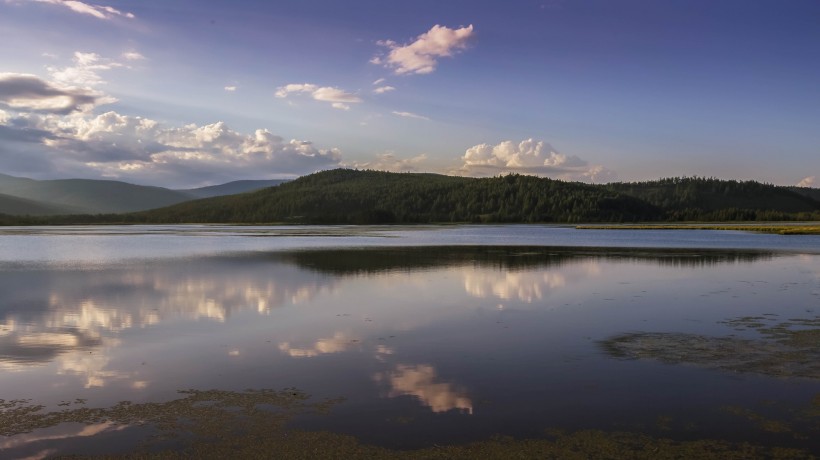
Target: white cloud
<point x="807" y="182"/>
<point x="330" y="94"/>
<point x="98" y="11"/>
<point x="530" y="157"/>
<point x="421" y="56"/>
<point x="290" y="88"/>
<point x="390" y="162"/>
<point x="379" y="81"/>
<point x="29" y="93"/>
<point x="384" y="89"/>
<point x="339" y="99"/>
<point x="230" y="89"/>
<point x="145" y="151"/>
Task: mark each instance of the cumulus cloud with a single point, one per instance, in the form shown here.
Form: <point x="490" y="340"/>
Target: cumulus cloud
<point x="390" y="162"/>
<point x="410" y="115"/>
<point x="384" y="89"/>
<point x="338" y="98"/>
<point x="29" y="93"/>
<point x="98" y="11"/>
<point x="421" y="56"/>
<point x="530" y="157"/>
<point x="807" y="182"/>
<point x="146" y="151"/>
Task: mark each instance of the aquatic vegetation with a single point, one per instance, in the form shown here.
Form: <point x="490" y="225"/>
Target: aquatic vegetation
<point x="253" y="424"/>
<point x="784" y="349"/>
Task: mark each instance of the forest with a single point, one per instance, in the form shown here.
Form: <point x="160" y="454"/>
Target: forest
<point x="346" y="196"/>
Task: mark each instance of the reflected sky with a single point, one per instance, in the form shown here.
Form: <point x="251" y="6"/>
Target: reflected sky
<point x="502" y="339"/>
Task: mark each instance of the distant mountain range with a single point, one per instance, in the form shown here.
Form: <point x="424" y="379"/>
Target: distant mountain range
<point x="23" y="196"/>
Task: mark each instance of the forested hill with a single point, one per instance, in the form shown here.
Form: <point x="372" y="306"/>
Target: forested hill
<point x="348" y="196"/>
<point x="720" y="200"/>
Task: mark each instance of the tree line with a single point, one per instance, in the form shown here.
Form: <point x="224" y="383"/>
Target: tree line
<point x="345" y="196"/>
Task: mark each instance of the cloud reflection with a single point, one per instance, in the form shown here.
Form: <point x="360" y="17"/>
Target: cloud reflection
<point x="64" y="431"/>
<point x="420" y="381"/>
<point x="74" y="318"/>
<point x="338" y="343"/>
<point x="525" y="286"/>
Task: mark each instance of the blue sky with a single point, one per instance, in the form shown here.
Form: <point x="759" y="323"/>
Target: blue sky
<point x="189" y="93"/>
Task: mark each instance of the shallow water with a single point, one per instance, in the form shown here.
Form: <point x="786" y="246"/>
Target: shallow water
<point x="432" y="335"/>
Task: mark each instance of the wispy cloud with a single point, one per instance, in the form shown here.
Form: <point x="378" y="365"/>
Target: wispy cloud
<point x="85" y="70"/>
<point x="421" y="56"/>
<point x="384" y="89"/>
<point x="231" y="88"/>
<point x="410" y="115"/>
<point x="97" y="11"/>
<point x="133" y="56"/>
<point x="338" y="98"/>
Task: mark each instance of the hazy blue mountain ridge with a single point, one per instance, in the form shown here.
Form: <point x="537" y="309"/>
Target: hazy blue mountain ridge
<point x="231" y="188"/>
<point x="24" y="196"/>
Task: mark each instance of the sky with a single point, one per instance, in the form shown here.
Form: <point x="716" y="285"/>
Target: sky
<point x="190" y="93"/>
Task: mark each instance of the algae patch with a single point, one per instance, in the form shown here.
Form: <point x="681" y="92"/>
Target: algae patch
<point x="784" y="349"/>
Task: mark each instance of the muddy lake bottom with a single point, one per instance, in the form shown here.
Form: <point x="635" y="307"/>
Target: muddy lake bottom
<point x="423" y="342"/>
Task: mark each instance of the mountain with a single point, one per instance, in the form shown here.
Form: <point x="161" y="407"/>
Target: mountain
<point x="353" y="197"/>
<point x="90" y="196"/>
<point x="20" y="206"/>
<point x="231" y="188"/>
<point x="345" y="196"/>
<point x="356" y="197"/>
<point x="23" y="196"/>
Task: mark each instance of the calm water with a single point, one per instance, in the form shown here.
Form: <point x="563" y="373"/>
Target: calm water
<point x="432" y="335"/>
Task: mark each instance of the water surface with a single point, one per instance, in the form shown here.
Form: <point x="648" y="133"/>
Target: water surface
<point x="419" y="336"/>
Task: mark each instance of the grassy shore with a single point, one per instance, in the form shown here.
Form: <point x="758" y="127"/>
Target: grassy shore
<point x="811" y="228"/>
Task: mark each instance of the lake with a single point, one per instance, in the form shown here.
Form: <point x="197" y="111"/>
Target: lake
<point x="407" y="340"/>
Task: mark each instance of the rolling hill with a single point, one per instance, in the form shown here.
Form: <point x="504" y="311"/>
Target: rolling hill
<point x="344" y="196"/>
<point x="347" y="196"/>
<point x="714" y="199"/>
